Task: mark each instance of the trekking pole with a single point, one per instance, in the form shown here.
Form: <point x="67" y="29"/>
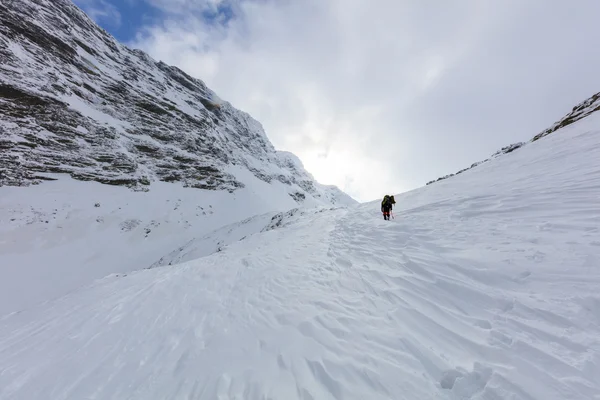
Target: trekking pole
<point x="393" y="215"/>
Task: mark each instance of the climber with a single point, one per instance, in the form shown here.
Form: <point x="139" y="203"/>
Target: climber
<point x="386" y="206"/>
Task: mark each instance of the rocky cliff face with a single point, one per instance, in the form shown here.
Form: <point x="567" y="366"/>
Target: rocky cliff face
<point x="73" y="100"/>
<point x="579" y="112"/>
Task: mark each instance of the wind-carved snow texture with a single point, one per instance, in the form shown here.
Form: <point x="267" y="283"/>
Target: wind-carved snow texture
<point x="74" y="100"/>
<point x="64" y="234"/>
<point x="218" y="240"/>
<point x="482" y="287"/>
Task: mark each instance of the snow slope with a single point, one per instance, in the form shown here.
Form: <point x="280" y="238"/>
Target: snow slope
<point x="483" y="287"/>
<point x="63" y="234"/>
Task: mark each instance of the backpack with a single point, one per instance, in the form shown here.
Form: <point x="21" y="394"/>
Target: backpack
<point x="388" y="201"/>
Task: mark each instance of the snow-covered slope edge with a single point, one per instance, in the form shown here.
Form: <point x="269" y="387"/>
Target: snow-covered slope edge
<point x="579" y="112"/>
<point x="76" y="101"/>
<point x="66" y="233"/>
<point x="483" y="287"/>
<point x="218" y="240"/>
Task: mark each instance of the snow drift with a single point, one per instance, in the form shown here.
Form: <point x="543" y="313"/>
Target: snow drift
<point x="60" y="235"/>
<point x="484" y="286"/>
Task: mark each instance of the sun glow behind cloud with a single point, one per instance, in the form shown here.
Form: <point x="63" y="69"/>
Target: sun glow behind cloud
<point x="382" y="97"/>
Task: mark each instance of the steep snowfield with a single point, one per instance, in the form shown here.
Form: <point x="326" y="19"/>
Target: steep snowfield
<point x="60" y="235"/>
<point x="485" y="286"/>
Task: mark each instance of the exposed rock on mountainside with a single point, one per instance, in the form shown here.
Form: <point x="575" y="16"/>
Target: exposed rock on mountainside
<point x="580" y="111"/>
<point x="73" y="100"/>
<point x="504" y="150"/>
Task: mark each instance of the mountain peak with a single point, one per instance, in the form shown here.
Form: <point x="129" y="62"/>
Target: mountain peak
<point x="78" y="102"/>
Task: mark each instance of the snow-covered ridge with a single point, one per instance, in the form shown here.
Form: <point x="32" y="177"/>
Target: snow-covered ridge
<point x="579" y="112"/>
<point x="76" y="101"/>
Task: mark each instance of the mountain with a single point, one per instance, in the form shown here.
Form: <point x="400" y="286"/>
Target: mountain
<point x="76" y="101"/>
<point x="484" y="286"/>
<point x="580" y="111"/>
<point x="154" y="245"/>
<point x="110" y="160"/>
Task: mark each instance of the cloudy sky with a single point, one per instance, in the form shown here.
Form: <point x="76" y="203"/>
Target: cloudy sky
<point x="378" y="96"/>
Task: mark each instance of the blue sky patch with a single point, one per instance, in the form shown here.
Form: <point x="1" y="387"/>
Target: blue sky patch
<point x="124" y="19"/>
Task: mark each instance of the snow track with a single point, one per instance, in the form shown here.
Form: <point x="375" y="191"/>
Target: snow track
<point x="485" y="286"/>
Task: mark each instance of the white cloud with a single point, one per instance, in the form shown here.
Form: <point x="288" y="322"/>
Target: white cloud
<point x="380" y="97"/>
